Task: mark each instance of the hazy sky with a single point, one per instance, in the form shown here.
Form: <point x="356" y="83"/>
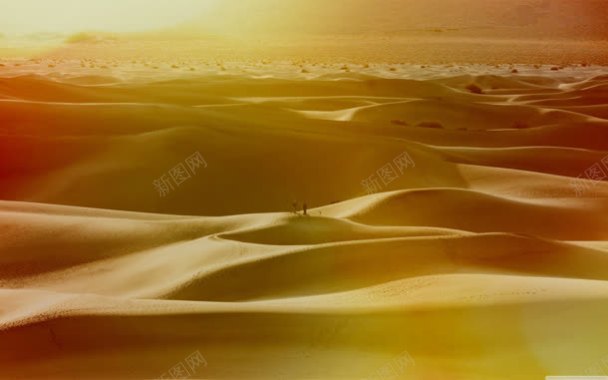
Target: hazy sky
<point x="529" y="18"/>
<point x="32" y="16"/>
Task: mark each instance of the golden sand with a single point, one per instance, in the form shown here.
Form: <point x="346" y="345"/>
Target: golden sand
<point x="447" y="235"/>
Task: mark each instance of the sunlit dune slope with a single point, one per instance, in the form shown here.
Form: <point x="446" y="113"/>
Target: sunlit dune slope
<point x="311" y="141"/>
<point x="481" y="255"/>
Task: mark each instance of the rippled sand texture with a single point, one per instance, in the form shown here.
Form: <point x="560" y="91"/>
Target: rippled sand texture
<point x="478" y="256"/>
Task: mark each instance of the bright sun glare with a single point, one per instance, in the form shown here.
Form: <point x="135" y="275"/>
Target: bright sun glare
<point x="66" y="16"/>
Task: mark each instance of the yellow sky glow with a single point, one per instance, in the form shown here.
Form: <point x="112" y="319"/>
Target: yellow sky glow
<point x="66" y="16"/>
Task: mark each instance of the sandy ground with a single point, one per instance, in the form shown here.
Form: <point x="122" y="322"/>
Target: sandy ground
<point x="456" y="223"/>
<point x="421" y="48"/>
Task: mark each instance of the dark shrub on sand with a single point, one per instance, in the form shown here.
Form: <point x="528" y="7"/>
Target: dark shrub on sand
<point x="430" y="124"/>
<point x="475" y="89"/>
<point x="521" y="125"/>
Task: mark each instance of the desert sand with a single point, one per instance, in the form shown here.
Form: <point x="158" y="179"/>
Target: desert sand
<point x="448" y="234"/>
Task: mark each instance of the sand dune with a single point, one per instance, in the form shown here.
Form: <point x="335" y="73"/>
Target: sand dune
<point x="479" y="255"/>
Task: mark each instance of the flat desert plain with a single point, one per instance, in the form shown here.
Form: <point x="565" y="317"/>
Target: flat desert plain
<point x="152" y="222"/>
